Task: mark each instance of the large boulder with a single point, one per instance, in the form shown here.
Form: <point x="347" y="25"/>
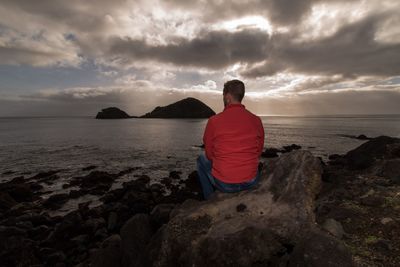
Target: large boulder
<point x="379" y="148"/>
<point x="186" y="108"/>
<point x="260" y="227"/>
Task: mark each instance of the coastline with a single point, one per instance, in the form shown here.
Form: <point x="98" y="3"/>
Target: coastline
<point x="348" y="196"/>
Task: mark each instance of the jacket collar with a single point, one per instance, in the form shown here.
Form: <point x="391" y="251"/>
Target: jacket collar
<point x="236" y="105"/>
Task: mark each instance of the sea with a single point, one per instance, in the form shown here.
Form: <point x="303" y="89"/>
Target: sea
<point x="29" y="145"/>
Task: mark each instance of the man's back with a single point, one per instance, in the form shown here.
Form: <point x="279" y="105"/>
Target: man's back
<point x="234" y="140"/>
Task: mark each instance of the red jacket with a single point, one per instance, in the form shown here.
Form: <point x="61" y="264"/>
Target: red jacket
<point x="234" y="140"/>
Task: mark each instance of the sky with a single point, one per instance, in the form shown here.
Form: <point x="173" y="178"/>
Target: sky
<point x="303" y="57"/>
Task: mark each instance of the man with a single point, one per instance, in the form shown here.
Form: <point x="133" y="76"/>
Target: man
<point x="233" y="140"/>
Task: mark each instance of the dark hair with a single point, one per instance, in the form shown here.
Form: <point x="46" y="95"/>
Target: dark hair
<point x="235" y="88"/>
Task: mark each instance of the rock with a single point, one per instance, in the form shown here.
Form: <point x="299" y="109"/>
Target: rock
<point x="185" y="108"/>
<point x="101" y="233"/>
<point x="175" y="175"/>
<point x="160" y="214"/>
<point x="291" y="148"/>
<point x="112" y="221"/>
<point x="56" y="201"/>
<point x="46" y="174"/>
<point x="18" y="251"/>
<point x="6" y="201"/>
<point x="391" y="169"/>
<point x="372" y="201"/>
<point x="385" y="221"/>
<point x="270" y="153"/>
<point x="88" y="168"/>
<point x="75" y="193"/>
<point x="383" y="245"/>
<point x="241" y="207"/>
<point x="366" y="154"/>
<point x="359" y="137"/>
<point x="135" y="235"/>
<point x="96" y="182"/>
<point x="109" y="255"/>
<point x="57" y="257"/>
<point x="279" y="210"/>
<point x="318" y="249"/>
<point x="112" y="113"/>
<point x="334" y="227"/>
<point x="70" y="225"/>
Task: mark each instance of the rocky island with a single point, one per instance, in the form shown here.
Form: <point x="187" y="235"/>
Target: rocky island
<point x="304" y="212"/>
<point x="186" y="108"/>
<point x="112" y="113"/>
<point x="183" y="109"/>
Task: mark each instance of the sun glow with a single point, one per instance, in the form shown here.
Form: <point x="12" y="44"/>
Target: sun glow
<point x="256" y="22"/>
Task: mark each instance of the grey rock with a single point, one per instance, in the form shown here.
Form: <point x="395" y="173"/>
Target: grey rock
<point x="135" y="235"/>
<point x="318" y="249"/>
<point x="160" y="213"/>
<point x="112" y="221"/>
<point x="278" y="210"/>
<point x="109" y="255"/>
<point x="334" y="227"/>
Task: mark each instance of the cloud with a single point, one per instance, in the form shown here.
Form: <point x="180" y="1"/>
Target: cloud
<point x="280" y="48"/>
<point x="213" y="50"/>
<point x="352" y="51"/>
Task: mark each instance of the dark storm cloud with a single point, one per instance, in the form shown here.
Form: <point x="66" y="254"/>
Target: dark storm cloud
<point x="352" y="51"/>
<point x="278" y="11"/>
<point x="283" y="12"/>
<point x="86" y="16"/>
<point x="213" y="50"/>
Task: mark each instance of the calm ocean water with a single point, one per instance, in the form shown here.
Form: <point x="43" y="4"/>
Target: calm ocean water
<point x="158" y="146"/>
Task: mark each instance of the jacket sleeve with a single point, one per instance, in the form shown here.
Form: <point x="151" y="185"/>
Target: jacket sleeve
<point x="262" y="137"/>
<point x="208" y="139"/>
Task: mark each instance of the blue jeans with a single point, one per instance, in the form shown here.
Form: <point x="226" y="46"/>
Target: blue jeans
<point x="209" y="183"/>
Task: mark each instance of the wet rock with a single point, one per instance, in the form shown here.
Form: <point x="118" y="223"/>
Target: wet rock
<point x="91" y="225"/>
<point x="18" y="251"/>
<point x="109" y="255"/>
<point x="270" y="153"/>
<point x="101" y="233"/>
<point x="366" y="154"/>
<point x="46" y="174"/>
<point x="166" y="181"/>
<point x="56" y="201"/>
<point x="88" y="168"/>
<point x="135" y="235"/>
<point x="175" y="175"/>
<point x="291" y="148"/>
<point x="334" y="227"/>
<point x="70" y="225"/>
<point x="112" y="221"/>
<point x="6" y="201"/>
<point x="160" y="214"/>
<point x="97" y="182"/>
<point x="75" y="193"/>
<point x="54" y="258"/>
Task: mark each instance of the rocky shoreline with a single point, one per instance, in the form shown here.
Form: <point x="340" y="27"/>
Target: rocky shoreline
<point x="305" y="212"/>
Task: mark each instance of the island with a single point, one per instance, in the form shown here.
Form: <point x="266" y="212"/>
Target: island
<point x="113" y="113"/>
<point x="186" y="108"/>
